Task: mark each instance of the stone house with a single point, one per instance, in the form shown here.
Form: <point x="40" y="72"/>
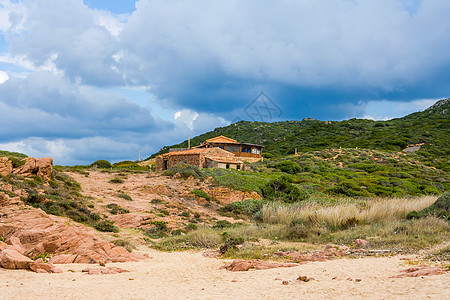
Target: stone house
<point x="199" y="157"/>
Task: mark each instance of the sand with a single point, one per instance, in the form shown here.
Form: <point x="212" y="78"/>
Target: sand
<point x="190" y="275"/>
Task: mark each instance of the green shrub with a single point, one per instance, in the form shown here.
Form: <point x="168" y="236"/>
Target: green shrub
<point x="201" y="194"/>
<point x="413" y="215"/>
<point x="185" y="214"/>
<point x="348" y="188"/>
<point x="289" y="166"/>
<point x="116" y="209"/>
<point x="116" y="180"/>
<point x="125" y="196"/>
<point x="247" y="207"/>
<point x="101" y="164"/>
<point x="191" y="226"/>
<point x="157" y="230"/>
<point x="439" y="209"/>
<point x="106" y="226"/>
<point x="282" y="190"/>
<point x="231" y="245"/>
<point x="126" y="244"/>
<point x="223" y="224"/>
<point x="16" y="162"/>
<point x="185" y="170"/>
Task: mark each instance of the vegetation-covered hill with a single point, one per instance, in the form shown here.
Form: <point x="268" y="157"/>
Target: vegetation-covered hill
<point x="430" y="127"/>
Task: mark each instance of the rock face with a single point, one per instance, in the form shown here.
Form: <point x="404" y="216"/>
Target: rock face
<point x="33" y="166"/>
<point x="12" y="259"/>
<point x="6" y="167"/>
<point x="36" y="166"/>
<point x="31" y="232"/>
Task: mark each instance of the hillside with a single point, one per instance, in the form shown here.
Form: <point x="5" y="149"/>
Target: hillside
<point x="430" y="127"/>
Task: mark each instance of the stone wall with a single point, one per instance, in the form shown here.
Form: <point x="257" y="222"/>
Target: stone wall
<point x="197" y="160"/>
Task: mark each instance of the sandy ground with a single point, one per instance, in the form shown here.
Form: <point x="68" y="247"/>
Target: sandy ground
<point x="189" y="275"/>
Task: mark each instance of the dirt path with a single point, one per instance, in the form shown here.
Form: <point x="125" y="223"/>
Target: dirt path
<point x="188" y="275"/>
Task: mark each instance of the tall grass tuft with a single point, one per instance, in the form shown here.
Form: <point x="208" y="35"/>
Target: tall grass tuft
<point x="344" y="215"/>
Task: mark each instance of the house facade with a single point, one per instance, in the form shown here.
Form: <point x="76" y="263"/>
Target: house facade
<point x="200" y="157"/>
<point x="243" y="151"/>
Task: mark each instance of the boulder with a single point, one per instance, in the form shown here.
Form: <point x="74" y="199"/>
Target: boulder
<point x="359" y="243"/>
<point x="6" y="167"/>
<point x="39" y="266"/>
<point x="36" y="166"/>
<point x="257" y="264"/>
<point x="11" y="259"/>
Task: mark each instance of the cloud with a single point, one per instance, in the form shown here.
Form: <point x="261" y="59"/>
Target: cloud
<point x="206" y="61"/>
<point x="3" y="77"/>
<point x="386" y="110"/>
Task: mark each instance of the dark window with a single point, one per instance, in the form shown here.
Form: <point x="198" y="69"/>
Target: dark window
<point x="229" y="148"/>
<point x="238" y="167"/>
<point x="235" y="149"/>
<point x="227" y="166"/>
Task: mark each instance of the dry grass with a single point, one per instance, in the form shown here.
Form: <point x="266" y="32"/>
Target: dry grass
<point x="345" y="214"/>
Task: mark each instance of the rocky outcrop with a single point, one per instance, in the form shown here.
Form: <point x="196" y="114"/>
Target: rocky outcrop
<point x="257" y="264"/>
<point x="29" y="232"/>
<point x="12" y="259"/>
<point x="36" y="166"/>
<point x="6" y="166"/>
<point x="422" y="270"/>
<point x="42" y="167"/>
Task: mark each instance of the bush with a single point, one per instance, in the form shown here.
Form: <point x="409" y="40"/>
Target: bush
<point x="439" y="209"/>
<point x="282" y="190"/>
<point x="102" y="164"/>
<point x="201" y="194"/>
<point x="158" y="230"/>
<point x="348" y="188"/>
<point x="126" y="244"/>
<point x="185" y="170"/>
<point x="289" y="166"/>
<point x="106" y="226"/>
<point x="16" y="162"/>
<point x="231" y="245"/>
<point x="125" y="196"/>
<point x="247" y="207"/>
<point x="116" y="180"/>
<point x="116" y="209"/>
<point x="223" y="224"/>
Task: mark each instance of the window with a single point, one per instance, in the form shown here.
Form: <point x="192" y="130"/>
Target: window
<point x="254" y="150"/>
<point x="229" y="148"/>
<point x="258" y="151"/>
<point x="227" y="166"/>
<point x="221" y="147"/>
<point x="238" y="167"/>
<point x="235" y="149"/>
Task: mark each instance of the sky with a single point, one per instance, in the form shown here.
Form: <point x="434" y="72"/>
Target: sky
<point x="100" y="79"/>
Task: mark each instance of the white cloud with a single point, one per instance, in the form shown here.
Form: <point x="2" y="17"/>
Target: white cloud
<point x="3" y="77"/>
<point x="382" y="110"/>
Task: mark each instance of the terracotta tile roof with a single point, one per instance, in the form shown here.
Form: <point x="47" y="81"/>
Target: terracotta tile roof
<point x="221" y="139"/>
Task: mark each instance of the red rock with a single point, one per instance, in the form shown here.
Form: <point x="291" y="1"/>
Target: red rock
<point x="421" y="270"/>
<point x="36" y="166"/>
<point x="359" y="243"/>
<point x="108" y="270"/>
<point x="41" y="271"/>
<point x="5" y="166"/>
<point x="245" y="265"/>
<point x="12" y="259"/>
<point x="37" y="233"/>
<point x="39" y="264"/>
<point x="3" y="246"/>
